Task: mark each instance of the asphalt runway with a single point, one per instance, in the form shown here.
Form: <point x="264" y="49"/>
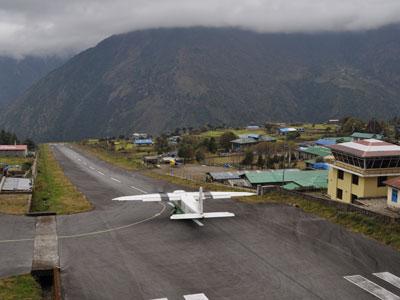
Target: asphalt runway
<point x="125" y="250"/>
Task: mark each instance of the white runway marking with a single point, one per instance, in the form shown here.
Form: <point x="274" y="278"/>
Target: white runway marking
<point x="112" y="178"/>
<point x="15" y="241"/>
<point x="371" y="287"/>
<point x="115" y="228"/>
<point x="389" y="277"/>
<point x="189" y="297"/>
<point x="91" y="168"/>
<point x="140" y="190"/>
<point x="100" y="173"/>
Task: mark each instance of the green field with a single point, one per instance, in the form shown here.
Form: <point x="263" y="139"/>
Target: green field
<point x="21" y="287"/>
<point x="53" y="191"/>
<point x="217" y="133"/>
<point x="312" y="132"/>
<point x="14" y="204"/>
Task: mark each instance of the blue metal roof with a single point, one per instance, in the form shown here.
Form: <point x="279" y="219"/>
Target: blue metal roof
<point x="320" y="166"/>
<point x="326" y="142"/>
<point x="143" y="141"/>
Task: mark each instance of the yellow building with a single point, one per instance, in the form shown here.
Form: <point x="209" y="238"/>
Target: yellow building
<point x="361" y="169"/>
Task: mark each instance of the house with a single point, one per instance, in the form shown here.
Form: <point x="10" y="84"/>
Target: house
<point x="364" y="136"/>
<point x="143" y="142"/>
<point x="332" y="141"/>
<point x="242" y="143"/>
<point x="14" y="150"/>
<point x="231" y="178"/>
<point x="173" y="140"/>
<point x="245" y="141"/>
<point x="286" y="130"/>
<point x="361" y="169"/>
<point x="253" y="127"/>
<point x="139" y="136"/>
<point x="312" y="152"/>
<point x="290" y="178"/>
<point x="151" y="160"/>
<point x="393" y="195"/>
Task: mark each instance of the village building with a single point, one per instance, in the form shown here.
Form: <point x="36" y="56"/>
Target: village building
<point x="313" y="152"/>
<point x="143" y="142"/>
<point x="14" y="150"/>
<point x="393" y="193"/>
<point x="245" y="141"/>
<point x="253" y="127"/>
<point x="289" y="179"/>
<point x="357" y="136"/>
<point x="286" y="130"/>
<point x="325" y="142"/>
<point x="361" y="169"/>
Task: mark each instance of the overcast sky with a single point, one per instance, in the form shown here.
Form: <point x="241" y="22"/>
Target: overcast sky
<point x="57" y="26"/>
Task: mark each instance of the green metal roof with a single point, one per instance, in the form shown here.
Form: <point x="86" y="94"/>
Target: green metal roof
<point x="291" y="186"/>
<point x="315" y="178"/>
<point x="365" y="135"/>
<point x="317" y="150"/>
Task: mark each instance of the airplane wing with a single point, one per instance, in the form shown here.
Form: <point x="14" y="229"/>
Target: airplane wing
<point x="178" y="196"/>
<point x="151" y="197"/>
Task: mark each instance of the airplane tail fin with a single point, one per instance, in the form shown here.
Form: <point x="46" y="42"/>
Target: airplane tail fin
<point x="201" y="199"/>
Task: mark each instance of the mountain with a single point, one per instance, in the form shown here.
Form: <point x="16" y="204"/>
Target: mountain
<point x="16" y="75"/>
<point x="160" y="79"/>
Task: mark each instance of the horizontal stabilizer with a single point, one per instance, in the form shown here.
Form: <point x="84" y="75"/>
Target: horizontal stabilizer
<point x="202" y="216"/>
<point x="218" y="215"/>
<point x="186" y="216"/>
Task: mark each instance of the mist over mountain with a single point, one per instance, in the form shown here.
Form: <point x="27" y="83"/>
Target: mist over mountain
<point x="16" y="75"/>
<point x="160" y="79"/>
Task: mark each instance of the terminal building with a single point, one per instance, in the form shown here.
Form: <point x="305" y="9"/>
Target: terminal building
<point x="361" y="169"/>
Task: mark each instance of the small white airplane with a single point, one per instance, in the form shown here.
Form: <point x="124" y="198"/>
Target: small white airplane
<point x="188" y="205"/>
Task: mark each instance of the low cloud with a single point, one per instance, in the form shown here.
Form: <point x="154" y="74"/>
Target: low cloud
<point x="46" y="27"/>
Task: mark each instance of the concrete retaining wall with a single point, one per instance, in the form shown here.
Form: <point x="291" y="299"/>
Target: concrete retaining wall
<point x="46" y="261"/>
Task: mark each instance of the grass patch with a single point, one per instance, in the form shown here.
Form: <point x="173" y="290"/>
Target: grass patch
<point x="388" y="234"/>
<point x="21" y="287"/>
<point x="15" y="204"/>
<point x="11" y="160"/>
<point x="128" y="159"/>
<point x="53" y="191"/>
<point x="217" y="133"/>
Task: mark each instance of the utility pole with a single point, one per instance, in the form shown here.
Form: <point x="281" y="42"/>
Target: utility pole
<point x="284" y="154"/>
